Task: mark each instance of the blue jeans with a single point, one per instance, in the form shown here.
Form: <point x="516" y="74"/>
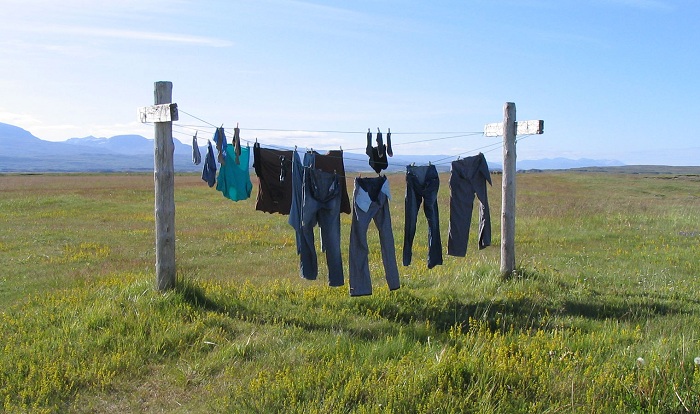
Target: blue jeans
<point x="422" y="185"/>
<point x="321" y="205"/>
<point x="371" y="202"/>
<point x="468" y="177"/>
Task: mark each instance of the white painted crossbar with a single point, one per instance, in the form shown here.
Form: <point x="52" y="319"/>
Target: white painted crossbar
<point x="158" y="113"/>
<point x="521" y="128"/>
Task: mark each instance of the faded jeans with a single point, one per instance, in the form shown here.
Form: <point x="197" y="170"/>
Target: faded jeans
<point x="371" y="202"/>
<point x="422" y="185"/>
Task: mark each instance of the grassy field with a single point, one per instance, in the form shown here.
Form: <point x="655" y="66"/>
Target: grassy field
<point x="603" y="314"/>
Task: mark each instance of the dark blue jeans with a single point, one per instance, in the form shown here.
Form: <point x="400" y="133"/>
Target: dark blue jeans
<point x="469" y="176"/>
<point x="422" y="185"/>
<point x="321" y="205"/>
<point x="371" y="203"/>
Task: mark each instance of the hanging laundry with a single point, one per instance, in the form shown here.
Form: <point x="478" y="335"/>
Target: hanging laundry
<point x="467" y="178"/>
<point x="196" y="155"/>
<point x="220" y="140"/>
<point x="274" y="171"/>
<point x="378" y="155"/>
<point x="209" y="171"/>
<point x="331" y="162"/>
<point x="237" y="143"/>
<point x="321" y="206"/>
<point x="422" y="185"/>
<point x="234" y="179"/>
<point x="371" y="203"/>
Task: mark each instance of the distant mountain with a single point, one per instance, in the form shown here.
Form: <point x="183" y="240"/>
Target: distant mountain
<point x="126" y="144"/>
<point x="20" y="151"/>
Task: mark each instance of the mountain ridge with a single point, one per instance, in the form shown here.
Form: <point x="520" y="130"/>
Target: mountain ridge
<point x="21" y="151"/>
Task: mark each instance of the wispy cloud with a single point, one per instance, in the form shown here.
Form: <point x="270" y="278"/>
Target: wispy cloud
<point x="133" y="35"/>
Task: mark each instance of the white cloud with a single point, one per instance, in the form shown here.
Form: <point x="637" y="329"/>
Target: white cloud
<point x="132" y="35"/>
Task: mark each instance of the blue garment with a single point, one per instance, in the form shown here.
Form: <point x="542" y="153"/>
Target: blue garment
<point x="196" y="155"/>
<point x="468" y="177"/>
<point x="321" y="205"/>
<point x="371" y="202"/>
<point x="209" y="171"/>
<point x="221" y="145"/>
<point x="332" y="162"/>
<point x="422" y="185"/>
<point x="234" y="179"/>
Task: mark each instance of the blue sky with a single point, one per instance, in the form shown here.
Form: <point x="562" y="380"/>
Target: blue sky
<point x="613" y="79"/>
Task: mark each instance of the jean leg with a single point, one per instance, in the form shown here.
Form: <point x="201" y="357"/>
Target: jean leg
<point x="386" y="239"/>
<point x="308" y="262"/>
<point x="358" y="261"/>
<point x="461" y="207"/>
<point x="329" y="220"/>
<point x="412" y="204"/>
<point x="484" y="215"/>
<point x="430" y="208"/>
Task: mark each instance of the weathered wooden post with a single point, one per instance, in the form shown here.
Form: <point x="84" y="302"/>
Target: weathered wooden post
<point x="509" y="129"/>
<point x="508" y="191"/>
<point x="162" y="114"/>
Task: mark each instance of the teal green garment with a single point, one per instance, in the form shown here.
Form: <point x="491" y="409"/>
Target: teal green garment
<point x="234" y="179"/>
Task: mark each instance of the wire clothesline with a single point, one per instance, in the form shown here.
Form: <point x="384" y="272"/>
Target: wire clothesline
<point x="442" y="161"/>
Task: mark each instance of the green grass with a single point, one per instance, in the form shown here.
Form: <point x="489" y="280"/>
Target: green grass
<point x="607" y="274"/>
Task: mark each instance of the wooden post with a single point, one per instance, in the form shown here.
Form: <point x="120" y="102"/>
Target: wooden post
<point x="164" y="177"/>
<point x="508" y="190"/>
<point x="509" y="128"/>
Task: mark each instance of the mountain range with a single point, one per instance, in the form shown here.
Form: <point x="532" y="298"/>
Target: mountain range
<point x="21" y="151"/>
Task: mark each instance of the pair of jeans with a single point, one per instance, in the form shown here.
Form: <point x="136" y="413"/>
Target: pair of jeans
<point x="371" y="203"/>
<point x="468" y="177"/>
<point x="422" y="185"/>
<point x="321" y="205"/>
<point x="331" y="162"/>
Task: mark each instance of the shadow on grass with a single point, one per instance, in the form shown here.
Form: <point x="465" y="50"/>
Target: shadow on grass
<point x="441" y="312"/>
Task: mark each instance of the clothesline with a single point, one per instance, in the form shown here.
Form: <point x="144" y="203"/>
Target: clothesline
<point x="441" y="161"/>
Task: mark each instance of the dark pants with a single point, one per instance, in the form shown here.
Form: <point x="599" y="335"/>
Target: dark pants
<point x="321" y="205"/>
<point x="468" y="178"/>
<point x="422" y="185"/>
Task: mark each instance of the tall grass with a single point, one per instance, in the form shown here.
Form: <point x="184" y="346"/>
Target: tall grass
<point x="602" y="315"/>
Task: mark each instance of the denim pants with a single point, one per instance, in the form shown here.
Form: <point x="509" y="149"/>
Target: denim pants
<point x="332" y="162"/>
<point x="321" y="205"/>
<point x="468" y="177"/>
<point x="422" y="185"/>
<point x="371" y="203"/>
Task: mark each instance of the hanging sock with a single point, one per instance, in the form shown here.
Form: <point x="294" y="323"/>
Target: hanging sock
<point x="220" y="139"/>
<point x="381" y="148"/>
<point x="388" y="144"/>
<point x="196" y="155"/>
<point x="237" y="143"/>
